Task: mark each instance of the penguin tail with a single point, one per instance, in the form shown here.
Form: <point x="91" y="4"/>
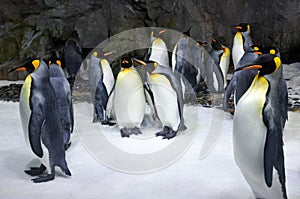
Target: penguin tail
<point x="64" y="168"/>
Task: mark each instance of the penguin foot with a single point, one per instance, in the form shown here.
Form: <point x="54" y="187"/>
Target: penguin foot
<point x="163" y="132"/>
<point x="36" y="171"/>
<point x="43" y="178"/>
<point x="125" y="132"/>
<point x="136" y="131"/>
<point x="170" y="135"/>
<point x="107" y="122"/>
<point x="67" y="146"/>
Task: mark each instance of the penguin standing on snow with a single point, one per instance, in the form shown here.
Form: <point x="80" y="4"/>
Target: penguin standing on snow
<point x="158" y="50"/>
<point x="129" y="99"/>
<point x="101" y="81"/>
<point x="168" y="99"/>
<point x="258" y="128"/>
<point x="183" y="67"/>
<point x="242" y="41"/>
<point x="72" y="57"/>
<point x="63" y="95"/>
<point x="40" y="119"/>
<point x="241" y="80"/>
<point x="214" y="77"/>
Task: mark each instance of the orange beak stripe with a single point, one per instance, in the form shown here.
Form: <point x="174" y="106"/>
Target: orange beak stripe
<point x="238" y="27"/>
<point x="21" y="69"/>
<point x="106" y="54"/>
<point x="162" y="31"/>
<point x="252" y="67"/>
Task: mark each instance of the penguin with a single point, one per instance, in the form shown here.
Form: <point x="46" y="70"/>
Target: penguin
<point x="101" y="80"/>
<point x="63" y="95"/>
<point x="257" y="130"/>
<point x="40" y="119"/>
<point x="183" y="67"/>
<point x="242" y="41"/>
<point x="158" y="50"/>
<point x="214" y="77"/>
<point x="224" y="59"/>
<point x="129" y="99"/>
<point x="168" y="99"/>
<point x="72" y="57"/>
<point x="198" y="59"/>
<point x="241" y="80"/>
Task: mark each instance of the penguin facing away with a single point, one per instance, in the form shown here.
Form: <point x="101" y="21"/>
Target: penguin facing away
<point x="40" y="119"/>
<point x="129" y="99"/>
<point x="101" y="82"/>
<point x="168" y="99"/>
<point x="72" y="57"/>
<point x="257" y="131"/>
<point x="63" y="95"/>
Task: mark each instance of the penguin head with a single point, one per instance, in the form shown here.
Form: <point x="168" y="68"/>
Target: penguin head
<point x="150" y="65"/>
<point x="187" y="33"/>
<point x="256" y="49"/>
<point x="216" y="44"/>
<point x="126" y="62"/>
<point x="243" y="27"/>
<point x="30" y="66"/>
<point x="271" y="50"/>
<point x="266" y="64"/>
<point x="54" y="60"/>
<point x="200" y="43"/>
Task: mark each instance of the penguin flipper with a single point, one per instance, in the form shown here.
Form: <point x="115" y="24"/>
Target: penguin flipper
<point x="228" y="91"/>
<point x="273" y="151"/>
<point x="36" y="123"/>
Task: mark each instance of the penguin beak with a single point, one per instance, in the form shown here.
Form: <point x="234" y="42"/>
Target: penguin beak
<point x="258" y="52"/>
<point x="140" y="61"/>
<point x="21" y="68"/>
<point x="213" y="40"/>
<point x="238" y="27"/>
<point x="251" y="67"/>
<point x="108" y="53"/>
<point x="162" y="31"/>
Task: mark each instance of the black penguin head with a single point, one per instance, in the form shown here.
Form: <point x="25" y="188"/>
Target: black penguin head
<point x="30" y="66"/>
<point x="71" y="42"/>
<point x="126" y="62"/>
<point x="54" y="60"/>
<point x="150" y="65"/>
<point x="266" y="64"/>
<point x="243" y="27"/>
<point x="256" y="49"/>
<point x="216" y="44"/>
<point x="101" y="53"/>
<point x="270" y="50"/>
<point x="187" y="33"/>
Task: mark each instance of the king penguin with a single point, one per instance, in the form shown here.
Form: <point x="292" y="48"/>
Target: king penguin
<point x="72" y="58"/>
<point x="168" y="99"/>
<point x="258" y="131"/>
<point x="101" y="81"/>
<point x="129" y="99"/>
<point x="242" y="41"/>
<point x="40" y="119"/>
<point x="158" y="50"/>
<point x="183" y="67"/>
<point x="241" y="80"/>
<point x="63" y="95"/>
<point x="215" y="77"/>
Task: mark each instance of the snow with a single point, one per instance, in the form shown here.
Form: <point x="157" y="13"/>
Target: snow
<point x="187" y="175"/>
<point x="198" y="163"/>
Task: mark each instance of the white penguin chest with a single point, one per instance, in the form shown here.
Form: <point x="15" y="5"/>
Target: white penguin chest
<point x="108" y="77"/>
<point x="129" y="98"/>
<point x="249" y="130"/>
<point x="165" y="99"/>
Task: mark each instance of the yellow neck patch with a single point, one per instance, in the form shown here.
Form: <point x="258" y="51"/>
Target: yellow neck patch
<point x="36" y="64"/>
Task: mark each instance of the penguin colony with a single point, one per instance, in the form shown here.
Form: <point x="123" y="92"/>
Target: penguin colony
<point x="258" y="86"/>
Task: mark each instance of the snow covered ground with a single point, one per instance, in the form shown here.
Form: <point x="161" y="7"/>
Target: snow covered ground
<point x="191" y="176"/>
<point x="104" y="165"/>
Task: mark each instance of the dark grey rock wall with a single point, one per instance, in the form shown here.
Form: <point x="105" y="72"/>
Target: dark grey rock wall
<point x="32" y="27"/>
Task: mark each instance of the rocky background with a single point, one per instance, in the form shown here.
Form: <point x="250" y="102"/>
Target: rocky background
<point x="31" y="28"/>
